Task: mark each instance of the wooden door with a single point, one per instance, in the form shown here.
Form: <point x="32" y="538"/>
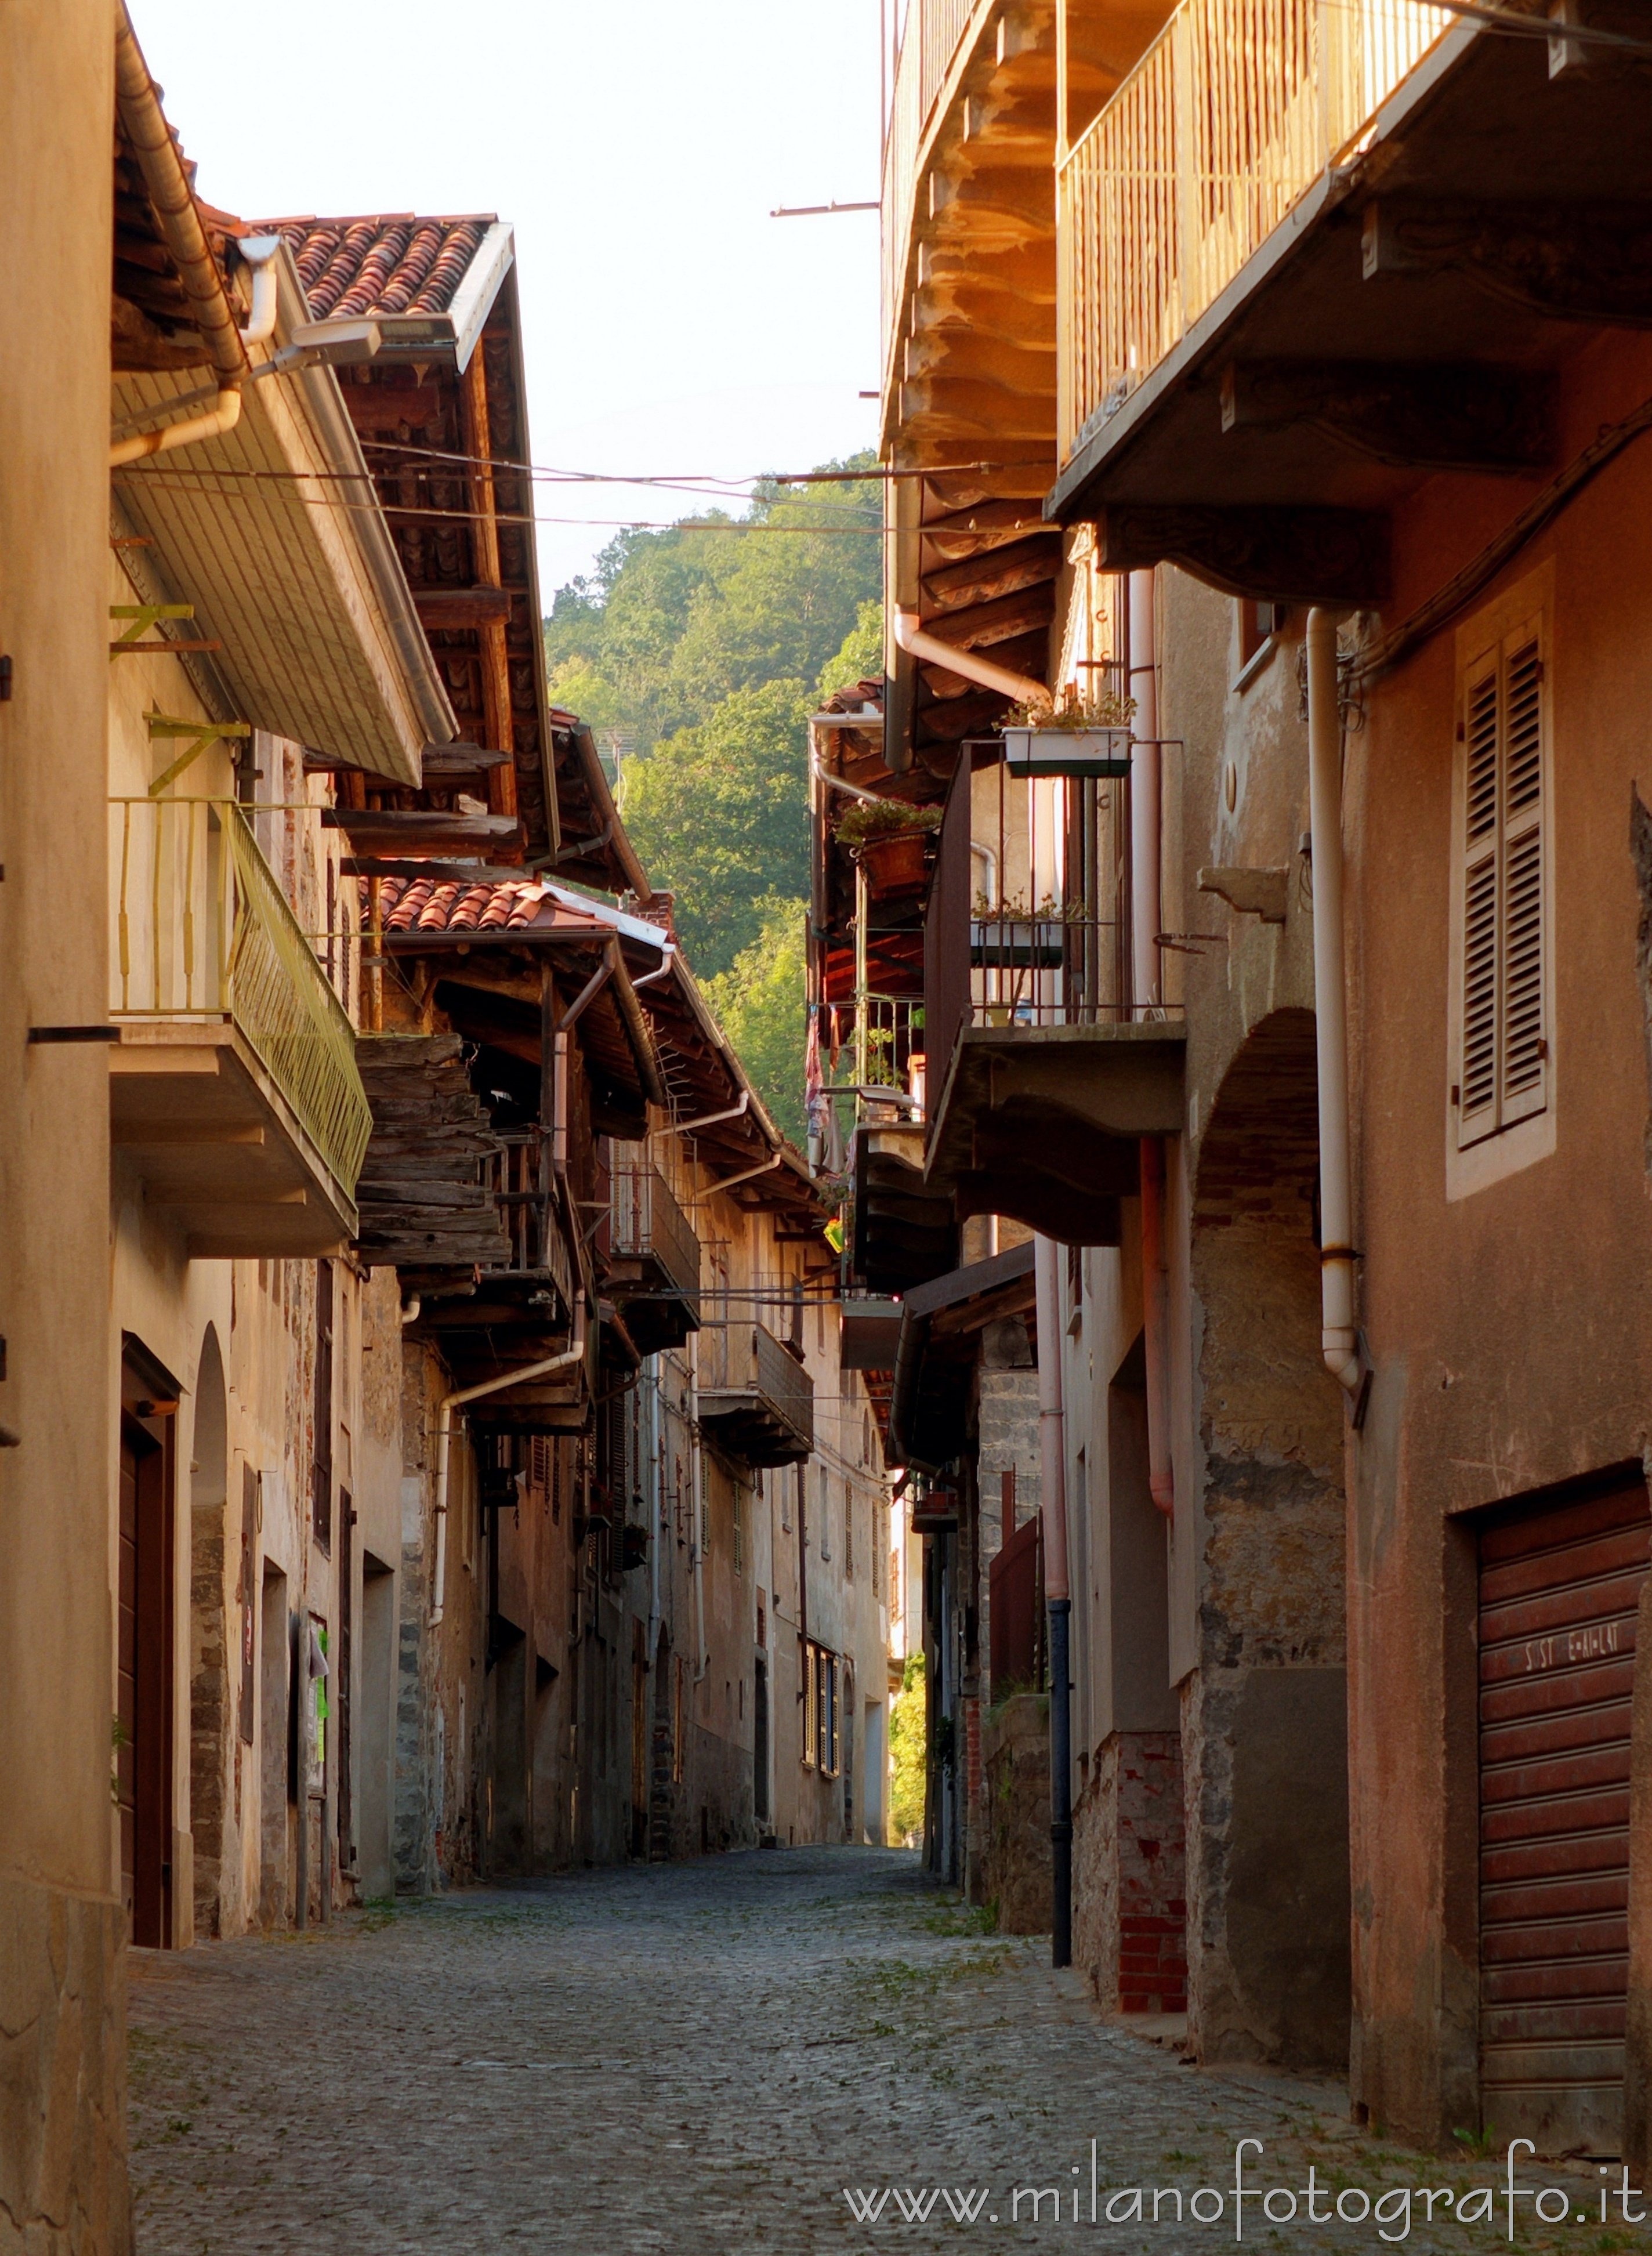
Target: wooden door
<point x="145" y="1772"/>
<point x="126" y="1712"/>
<point x="1558" y="1588"/>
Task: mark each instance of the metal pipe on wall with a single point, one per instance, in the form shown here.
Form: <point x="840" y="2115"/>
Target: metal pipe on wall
<point x="1146" y="962"/>
<point x="1052" y="1451"/>
<point x="1339" y="1341"/>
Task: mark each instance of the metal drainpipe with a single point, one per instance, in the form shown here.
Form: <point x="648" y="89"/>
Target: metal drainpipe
<point x="1147" y="964"/>
<point x="1339" y="1340"/>
<point x="444" y="1438"/>
<point x="1052" y="1449"/>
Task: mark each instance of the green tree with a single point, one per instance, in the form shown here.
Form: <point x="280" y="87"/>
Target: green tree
<point x="860" y="656"/>
<point x="718" y="814"/>
<point x="908" y="1749"/>
<point x="761" y="1004"/>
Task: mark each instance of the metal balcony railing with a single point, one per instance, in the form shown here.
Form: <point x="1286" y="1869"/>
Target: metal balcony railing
<point x="1228" y="119"/>
<point x="1028" y="922"/>
<point x="524" y="1188"/>
<point x="645" y="1223"/>
<point x="203" y="932"/>
<point x="756" y="1391"/>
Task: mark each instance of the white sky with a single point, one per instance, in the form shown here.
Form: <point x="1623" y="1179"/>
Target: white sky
<point x="638" y="146"/>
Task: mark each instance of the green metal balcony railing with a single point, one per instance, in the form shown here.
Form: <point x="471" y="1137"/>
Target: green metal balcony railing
<point x="203" y="932"/>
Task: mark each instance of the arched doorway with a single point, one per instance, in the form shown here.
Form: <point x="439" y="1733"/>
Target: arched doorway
<point x="1264" y="1725"/>
<point x="214" y="1654"/>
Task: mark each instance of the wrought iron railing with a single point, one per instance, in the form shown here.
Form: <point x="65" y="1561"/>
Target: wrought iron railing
<point x="203" y="931"/>
<point x="1226" y="123"/>
<point x="523" y="1183"/>
<point x="738" y="1358"/>
<point x="646" y="1224"/>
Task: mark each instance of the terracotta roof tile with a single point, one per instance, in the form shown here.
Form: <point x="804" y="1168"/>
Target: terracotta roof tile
<point x="393" y="263"/>
<point x="419" y="905"/>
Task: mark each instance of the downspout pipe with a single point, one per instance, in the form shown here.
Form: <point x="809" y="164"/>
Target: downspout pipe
<point x="932" y="651"/>
<point x="1339" y="1340"/>
<point x="1155" y="1326"/>
<point x="167" y="186"/>
<point x="1146" y="797"/>
<point x="1052" y="1453"/>
<point x="518" y="1377"/>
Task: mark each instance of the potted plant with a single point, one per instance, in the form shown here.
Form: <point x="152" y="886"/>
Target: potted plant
<point x="889" y="838"/>
<point x="1074" y="735"/>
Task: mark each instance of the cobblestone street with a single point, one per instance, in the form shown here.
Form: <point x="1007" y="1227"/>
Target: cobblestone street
<point x="702" y="2057"/>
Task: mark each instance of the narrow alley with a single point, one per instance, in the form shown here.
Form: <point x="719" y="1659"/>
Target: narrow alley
<point x="700" y="2056"/>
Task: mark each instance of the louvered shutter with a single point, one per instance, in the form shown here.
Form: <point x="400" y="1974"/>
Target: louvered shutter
<point x="1503" y="1069"/>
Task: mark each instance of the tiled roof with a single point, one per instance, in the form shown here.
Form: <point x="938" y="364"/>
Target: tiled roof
<point x="394" y="263"/>
<point x="419" y="905"/>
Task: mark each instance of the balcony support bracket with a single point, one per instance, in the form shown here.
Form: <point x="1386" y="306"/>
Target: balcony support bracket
<point x="1573" y="262"/>
<point x="1431" y="416"/>
<point x="1274" y="555"/>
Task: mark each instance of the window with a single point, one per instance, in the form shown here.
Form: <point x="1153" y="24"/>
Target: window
<point x="825" y="1516"/>
<point x="848" y="1533"/>
<point x="705" y="1508"/>
<point x="821" y="1703"/>
<point x="1258" y="625"/>
<point x="1500" y="1070"/>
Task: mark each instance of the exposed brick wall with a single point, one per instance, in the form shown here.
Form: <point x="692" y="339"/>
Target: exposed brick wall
<point x="1153" y="1956"/>
<point x="1129" y="1925"/>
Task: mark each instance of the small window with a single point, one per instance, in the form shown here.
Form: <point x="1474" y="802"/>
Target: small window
<point x="1258" y="625"/>
<point x="1500" y="1073"/>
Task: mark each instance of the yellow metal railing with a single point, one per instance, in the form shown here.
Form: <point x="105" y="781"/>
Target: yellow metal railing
<point x="1229" y="118"/>
<point x="203" y="931"/>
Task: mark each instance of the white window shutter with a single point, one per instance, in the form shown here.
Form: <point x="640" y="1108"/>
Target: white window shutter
<point x="1503" y="1066"/>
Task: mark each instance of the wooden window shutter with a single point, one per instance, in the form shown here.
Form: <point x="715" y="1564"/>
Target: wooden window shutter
<point x="1503" y="1061"/>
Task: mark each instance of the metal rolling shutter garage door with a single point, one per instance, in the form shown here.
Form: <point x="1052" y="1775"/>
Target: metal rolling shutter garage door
<point x="1558" y="1589"/>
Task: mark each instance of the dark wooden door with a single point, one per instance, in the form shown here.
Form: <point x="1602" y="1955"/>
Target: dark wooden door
<point x="145" y="1770"/>
<point x="1559" y="1585"/>
<point x="126" y="1712"/>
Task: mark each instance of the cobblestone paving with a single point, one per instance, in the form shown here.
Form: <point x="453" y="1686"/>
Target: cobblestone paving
<point x="703" y="2058"/>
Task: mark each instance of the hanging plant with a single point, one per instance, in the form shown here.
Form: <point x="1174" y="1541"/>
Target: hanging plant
<point x="867" y="819"/>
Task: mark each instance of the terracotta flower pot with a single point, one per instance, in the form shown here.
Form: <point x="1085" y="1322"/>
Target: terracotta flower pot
<point x="894" y="864"/>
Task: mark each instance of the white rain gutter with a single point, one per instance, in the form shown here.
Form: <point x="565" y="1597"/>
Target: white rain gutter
<point x="259" y="251"/>
<point x="1338" y="1338"/>
<point x="167" y="186"/>
<point x="518" y="1377"/>
<point x="764" y="1167"/>
<point x="711" y="1119"/>
<point x="911" y="638"/>
<point x="841" y="783"/>
<point x="1145" y="925"/>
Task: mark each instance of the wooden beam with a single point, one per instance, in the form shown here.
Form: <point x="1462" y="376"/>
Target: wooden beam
<point x="496" y="666"/>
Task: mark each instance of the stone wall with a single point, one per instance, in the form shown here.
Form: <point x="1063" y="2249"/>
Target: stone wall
<point x="1129" y="1875"/>
<point x="63" y="2187"/>
<point x="1015" y="1773"/>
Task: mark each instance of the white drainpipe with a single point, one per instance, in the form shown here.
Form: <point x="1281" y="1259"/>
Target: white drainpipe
<point x="444" y="1436"/>
<point x="1147" y="962"/>
<point x="1339" y="1339"/>
<point x="913" y="639"/>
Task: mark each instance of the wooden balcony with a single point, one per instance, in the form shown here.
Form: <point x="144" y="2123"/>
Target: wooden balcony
<point x="757" y="1401"/>
<point x="654" y="1259"/>
<point x="234" y="1092"/>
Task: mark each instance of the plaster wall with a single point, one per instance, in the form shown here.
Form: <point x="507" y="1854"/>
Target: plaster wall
<point x="1508" y="1325"/>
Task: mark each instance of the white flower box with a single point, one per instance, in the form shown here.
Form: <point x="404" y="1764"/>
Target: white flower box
<point x="1067" y="751"/>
